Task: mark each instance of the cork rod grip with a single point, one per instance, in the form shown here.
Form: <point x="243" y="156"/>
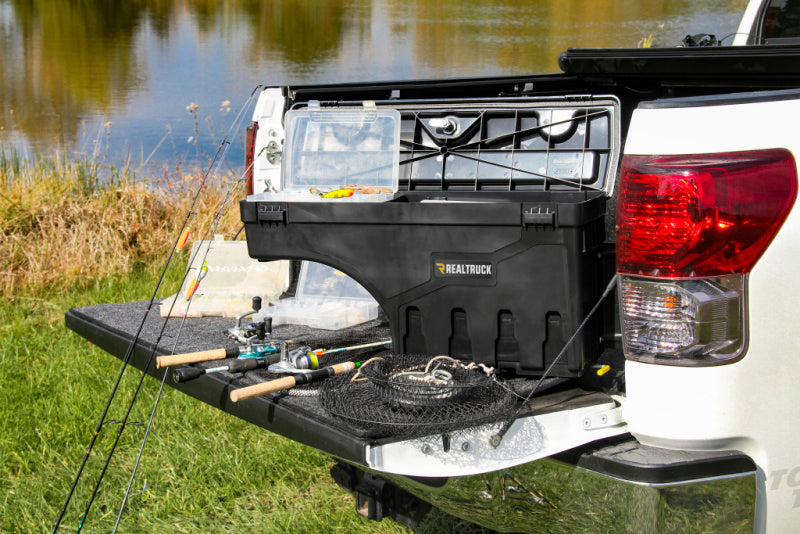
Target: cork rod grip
<point x="340" y="368"/>
<point x="288" y="382"/>
<point x="263" y="388"/>
<point x="192" y="357"/>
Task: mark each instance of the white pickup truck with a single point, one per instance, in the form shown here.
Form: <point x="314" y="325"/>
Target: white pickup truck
<point x="514" y="202"/>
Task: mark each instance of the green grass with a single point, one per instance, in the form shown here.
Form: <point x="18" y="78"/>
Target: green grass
<point x="205" y="471"/>
<point x="73" y="233"/>
<point x="69" y="240"/>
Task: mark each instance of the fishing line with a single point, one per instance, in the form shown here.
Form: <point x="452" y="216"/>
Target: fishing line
<point x="212" y="228"/>
<point x="497" y="438"/>
<point x="217" y="218"/>
<point x="147" y="366"/>
<point x="129" y="352"/>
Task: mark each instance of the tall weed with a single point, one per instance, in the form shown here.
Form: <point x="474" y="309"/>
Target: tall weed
<point x="69" y="221"/>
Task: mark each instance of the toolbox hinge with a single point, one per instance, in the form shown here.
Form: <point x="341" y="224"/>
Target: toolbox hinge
<point x="271" y="213"/>
<point x="538" y="216"/>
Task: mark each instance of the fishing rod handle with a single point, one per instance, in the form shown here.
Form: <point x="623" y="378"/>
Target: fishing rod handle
<point x="184" y="374"/>
<point x="194" y="357"/>
<point x="263" y="388"/>
<point x="288" y="382"/>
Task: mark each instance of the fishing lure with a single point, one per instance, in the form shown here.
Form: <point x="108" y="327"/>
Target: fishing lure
<point x="196" y="282"/>
<point x="336" y="193"/>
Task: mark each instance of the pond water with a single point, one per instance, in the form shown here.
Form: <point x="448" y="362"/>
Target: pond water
<point x="115" y="79"/>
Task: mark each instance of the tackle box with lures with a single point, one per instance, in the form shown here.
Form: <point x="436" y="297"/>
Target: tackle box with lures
<point x="487" y="247"/>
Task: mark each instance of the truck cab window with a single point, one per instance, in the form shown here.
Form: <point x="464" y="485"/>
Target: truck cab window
<point x="781" y="22"/>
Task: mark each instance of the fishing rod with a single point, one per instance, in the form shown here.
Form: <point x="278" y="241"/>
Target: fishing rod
<point x="129" y="352"/>
<point x="185" y="374"/>
<point x="211" y="229"/>
<point x="289" y="382"/>
<point x="125" y="360"/>
<point x="261" y="332"/>
<point x="207" y="356"/>
<point x="147" y="366"/>
<point x="298" y="360"/>
<point x="320" y="352"/>
<point x="257" y="349"/>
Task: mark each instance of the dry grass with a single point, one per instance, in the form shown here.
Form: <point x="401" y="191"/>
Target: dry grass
<point x="66" y="222"/>
<point x="62" y="225"/>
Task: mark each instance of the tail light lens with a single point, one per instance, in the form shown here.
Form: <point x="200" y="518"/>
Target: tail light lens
<point x="693" y="322"/>
<point x="689" y="229"/>
<point x="249" y="154"/>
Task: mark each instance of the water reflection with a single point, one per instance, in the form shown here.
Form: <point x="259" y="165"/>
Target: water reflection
<point x="62" y="59"/>
<point x="66" y="68"/>
<point x="302" y="31"/>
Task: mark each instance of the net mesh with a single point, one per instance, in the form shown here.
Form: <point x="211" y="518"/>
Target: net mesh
<point x="410" y="396"/>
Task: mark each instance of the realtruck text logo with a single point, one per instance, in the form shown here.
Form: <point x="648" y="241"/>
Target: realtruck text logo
<point x="462" y="269"/>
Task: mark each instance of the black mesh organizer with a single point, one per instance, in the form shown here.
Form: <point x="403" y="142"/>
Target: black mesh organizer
<point x="489" y="250"/>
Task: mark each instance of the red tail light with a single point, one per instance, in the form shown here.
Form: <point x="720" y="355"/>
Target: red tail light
<point x="701" y="215"/>
<point x="689" y="229"/>
<point x="249" y="153"/>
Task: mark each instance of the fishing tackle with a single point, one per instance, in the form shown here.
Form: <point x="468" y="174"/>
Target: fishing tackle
<point x="320" y="352"/>
<point x="196" y="281"/>
<point x="177" y="246"/>
<point x="298" y="360"/>
<point x="251" y="350"/>
<point x="369" y="189"/>
<point x="183" y="239"/>
<point x="336" y="193"/>
<point x="242" y="334"/>
<point x="288" y="382"/>
<point x="303" y="359"/>
<point x="239" y="365"/>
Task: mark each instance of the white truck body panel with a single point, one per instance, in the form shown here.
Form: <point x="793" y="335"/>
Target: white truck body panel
<point x="748" y="23"/>
<point x="752" y="405"/>
<point x="268" y="113"/>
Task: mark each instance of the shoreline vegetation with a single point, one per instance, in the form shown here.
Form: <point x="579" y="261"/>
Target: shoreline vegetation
<point x="68" y="222"/>
<point x="74" y="233"/>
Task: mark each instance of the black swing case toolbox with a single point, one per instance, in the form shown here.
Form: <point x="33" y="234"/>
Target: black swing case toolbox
<point x="500" y="271"/>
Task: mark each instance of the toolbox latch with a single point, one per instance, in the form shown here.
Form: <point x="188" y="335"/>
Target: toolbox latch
<point x="538" y="216"/>
<point x="271" y="213"/>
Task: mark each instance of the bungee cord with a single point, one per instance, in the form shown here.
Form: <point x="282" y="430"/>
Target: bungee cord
<point x="497" y="438"/>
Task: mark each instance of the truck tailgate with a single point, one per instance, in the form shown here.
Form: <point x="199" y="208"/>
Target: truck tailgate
<point x="555" y="420"/>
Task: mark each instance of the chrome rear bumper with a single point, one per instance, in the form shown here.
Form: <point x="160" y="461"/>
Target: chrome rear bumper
<point x="619" y="487"/>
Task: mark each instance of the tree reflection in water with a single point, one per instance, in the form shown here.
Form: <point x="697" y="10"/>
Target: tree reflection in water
<point x="65" y="64"/>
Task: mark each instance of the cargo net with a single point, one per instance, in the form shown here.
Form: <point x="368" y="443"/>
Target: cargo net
<point x="413" y="396"/>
